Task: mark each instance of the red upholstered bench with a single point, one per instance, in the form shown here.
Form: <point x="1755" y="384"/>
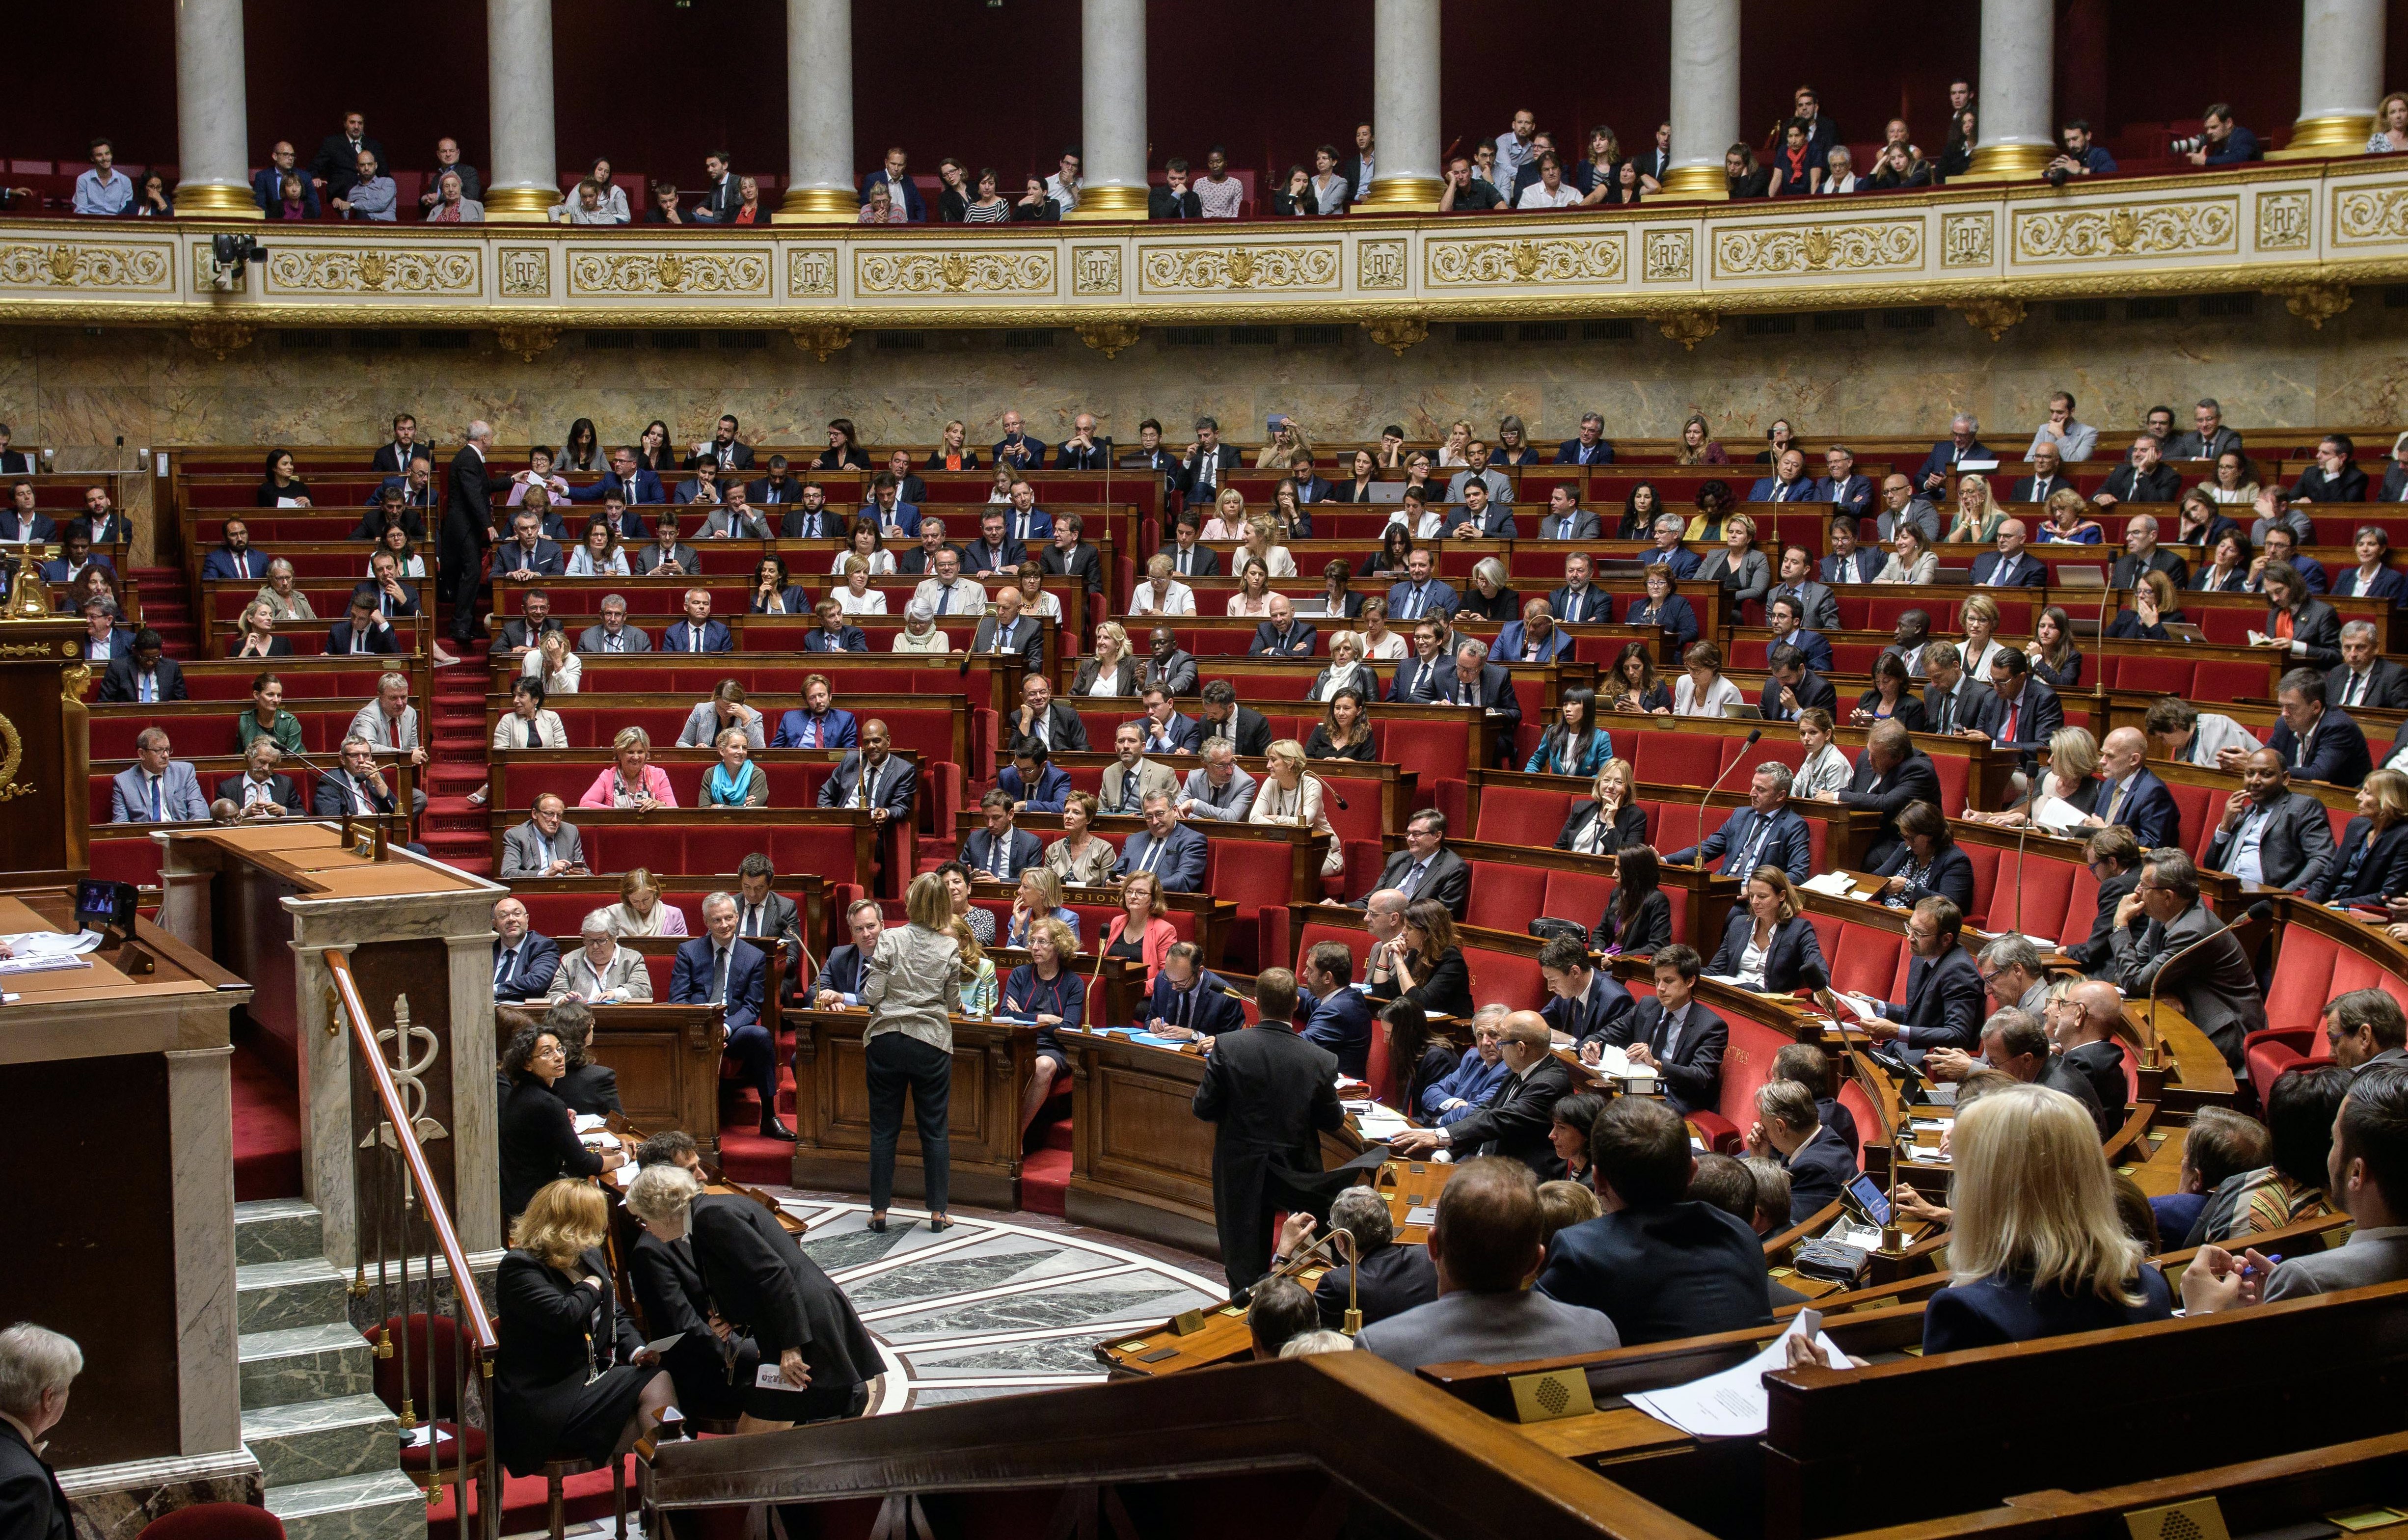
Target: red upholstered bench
<point x="1501" y="976"/>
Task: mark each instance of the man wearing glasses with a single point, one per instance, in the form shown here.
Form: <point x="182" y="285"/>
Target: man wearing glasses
<point x="2215" y="986"/>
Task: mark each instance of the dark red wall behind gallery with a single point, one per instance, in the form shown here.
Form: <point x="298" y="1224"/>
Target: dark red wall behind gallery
<point x="654" y="86"/>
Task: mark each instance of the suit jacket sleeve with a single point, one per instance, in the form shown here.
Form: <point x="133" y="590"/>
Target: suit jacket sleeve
<point x="1453" y="887"/>
<point x="1525" y="1117"/>
<point x="1698" y="1080"/>
<point x="666" y="1306"/>
<point x="1212" y="1094"/>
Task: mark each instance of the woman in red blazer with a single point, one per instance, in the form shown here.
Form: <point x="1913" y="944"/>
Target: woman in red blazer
<point x="1139" y="932"/>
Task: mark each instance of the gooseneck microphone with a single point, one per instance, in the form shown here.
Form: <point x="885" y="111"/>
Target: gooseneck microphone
<point x="1754" y="734"/>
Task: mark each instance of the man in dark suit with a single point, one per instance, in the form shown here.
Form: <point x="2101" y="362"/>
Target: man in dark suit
<point x="1590" y="448"/>
<point x="872" y="778"/>
<point x="1659" y="1264"/>
<point x="361" y="631"/>
<point x="2363" y="678"/>
<point x="234" y="559"/>
<point x="1850" y="494"/>
<point x="697" y="632"/>
<point x="995" y="549"/>
<point x="267" y="184"/>
<point x="392" y="458"/>
<point x="1332" y="1011"/>
<point x="834" y="633"/>
<point x="2010" y="566"/>
<point x="2318" y="743"/>
<point x="2269" y="833"/>
<point x="1849" y="562"/>
<point x="2047" y="479"/>
<point x="1955" y="701"/>
<point x="260" y="785"/>
<point x="2128" y="794"/>
<point x="1811" y="603"/>
<point x="1271" y="1095"/>
<point x="1784" y="618"/>
<point x="999" y="851"/>
<point x="2143" y="478"/>
<point x="524" y="960"/>
<point x="2216" y="986"/>
<point x="721" y="194"/>
<point x="764" y="914"/>
<point x="1009" y="633"/>
<point x="1032" y="782"/>
<point x="1361" y="166"/>
<point x="1206" y="462"/>
<point x="1283" y="634"/>
<point x="1386" y="1278"/>
<point x="1791" y="687"/>
<point x="1188" y="999"/>
<point x="1426" y="868"/>
<point x="1671" y="1033"/>
<point x="776" y="489"/>
<point x="838" y="985"/>
<point x="1766" y="832"/>
<point x="1174" y="199"/>
<point x="1189" y="556"/>
<point x="1042" y="719"/>
<point x="1890" y="774"/>
<point x="523" y="632"/>
<point x="358" y="788"/>
<point x="20" y="522"/>
<point x="1414" y="672"/>
<point x="1945" y="993"/>
<point x="1819" y="1162"/>
<point x="145" y="675"/>
<point x="334" y="168"/>
<point x="1167" y="728"/>
<point x="720" y="968"/>
<point x="1087" y="449"/>
<point x="1166" y="847"/>
<point x="468" y="526"/>
<point x="1579" y="601"/>
<point x="41" y="1364"/>
<point x="1939" y="469"/>
<point x="1481" y="518"/>
<point x="1583" y="1002"/>
<point x="632" y="484"/>
<point x="2334" y="479"/>
<point x="1169" y="665"/>
<point x="1790" y="482"/>
<point x="1520" y="1112"/>
<point x="1071" y="556"/>
<point x="1473" y="680"/>
<point x="1221" y="716"/>
<point x="2028" y="712"/>
<point x="900" y="189"/>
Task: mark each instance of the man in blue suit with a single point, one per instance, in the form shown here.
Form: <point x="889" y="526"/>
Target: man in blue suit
<point x="2010" y="566"/>
<point x="1789" y="484"/>
<point x="838" y="985"/>
<point x="1473" y="680"/>
<point x="1332" y="1011"/>
<point x="1032" y="784"/>
<point x="1579" y="601"/>
<point x="2316" y="741"/>
<point x="1791" y="687"/>
<point x="2028" y="714"/>
<point x="1413" y="679"/>
<point x="1789" y="1130"/>
<point x="1849" y="562"/>
<point x="157" y="787"/>
<point x="893" y="515"/>
<point x="624" y="479"/>
<point x="1189" y="999"/>
<point x="527" y="555"/>
<point x="1481" y="517"/>
<point x="1840" y="484"/>
<point x="1421" y="594"/>
<point x="1581" y="1001"/>
<point x="1963" y="444"/>
<point x="1763" y="833"/>
<point x="1166" y="730"/>
<point x="1283" y="634"/>
<point x="1028" y="523"/>
<point x="1668" y="550"/>
<point x="834" y="633"/>
<point x="999" y="851"/>
<point x="720" y="968"/>
<point x="1533" y="639"/>
<point x="900" y="188"/>
<point x="1590" y="448"/>
<point x="1945" y="993"/>
<point x="267" y="184"/>
<point x="872" y="778"/>
<point x="1789" y="630"/>
<point x="234" y="559"/>
<point x="2129" y="795"/>
<point x="1020" y="450"/>
<point x="817" y="723"/>
<point x="697" y="632"/>
<point x="525" y="959"/>
<point x="1166" y="847"/>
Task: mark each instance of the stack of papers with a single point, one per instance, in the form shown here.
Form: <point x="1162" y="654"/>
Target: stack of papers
<point x="592" y="1122"/>
<point x="1837" y="884"/>
<point x="1733" y="1403"/>
<point x="53" y="944"/>
<point x="2056" y="815"/>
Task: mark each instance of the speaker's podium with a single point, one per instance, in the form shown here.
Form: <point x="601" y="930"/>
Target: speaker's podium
<point x="269" y="901"/>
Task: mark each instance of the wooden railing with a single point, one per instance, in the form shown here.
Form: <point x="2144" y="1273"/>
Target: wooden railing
<point x="395" y="1185"/>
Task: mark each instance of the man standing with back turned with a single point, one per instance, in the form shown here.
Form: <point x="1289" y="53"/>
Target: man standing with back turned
<point x="1272" y="1095"/>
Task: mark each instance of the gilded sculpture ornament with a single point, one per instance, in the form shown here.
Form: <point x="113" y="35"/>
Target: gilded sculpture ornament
<point x="220" y="338"/>
<point x="1771" y="251"/>
<point x="1689" y="328"/>
<point x="77" y="265"/>
<point x="821" y="341"/>
<point x="1108" y="338"/>
<point x="12" y="754"/>
<point x="685" y="274"/>
<point x="1398" y="333"/>
<point x="1994" y="316"/>
<point x="920" y="272"/>
<point x="341" y="270"/>
<point x="526" y="272"/>
<point x="1165" y="270"/>
<point x="2198" y="228"/>
<point x="1584" y="259"/>
<point x="528" y="342"/>
<point x="2314" y="303"/>
<point x="2366" y="215"/>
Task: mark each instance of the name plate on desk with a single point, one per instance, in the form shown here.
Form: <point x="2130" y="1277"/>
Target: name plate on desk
<point x="1187" y="1323"/>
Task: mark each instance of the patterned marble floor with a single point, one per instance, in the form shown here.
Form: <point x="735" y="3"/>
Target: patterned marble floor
<point x="993" y="1306"/>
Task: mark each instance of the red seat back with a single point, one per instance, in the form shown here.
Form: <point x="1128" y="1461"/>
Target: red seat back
<point x="1521" y="815"/>
<point x="1502" y="977"/>
<point x="1504" y="895"/>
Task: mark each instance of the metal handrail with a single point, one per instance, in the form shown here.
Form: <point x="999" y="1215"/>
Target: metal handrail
<point x="405" y="1138"/>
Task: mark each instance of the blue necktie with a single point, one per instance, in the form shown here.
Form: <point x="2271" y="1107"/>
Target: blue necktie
<point x="158" y="807"/>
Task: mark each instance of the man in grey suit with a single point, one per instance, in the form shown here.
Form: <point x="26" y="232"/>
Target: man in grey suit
<point x="1127" y="785"/>
<point x="545" y="845"/>
<point x="1218" y="788"/>
<point x="1565" y="518"/>
<point x="1168" y="665"/>
<point x="2215" y="986"/>
<point x="2370" y="1151"/>
<point x="614" y="635"/>
<point x="1818" y="608"/>
<point x="2208" y="438"/>
<point x="1476" y="468"/>
<point x="158" y="789"/>
<point x="1009" y="633"/>
<point x="389" y="723"/>
<point x="2368" y="1032"/>
<point x="2271" y="834"/>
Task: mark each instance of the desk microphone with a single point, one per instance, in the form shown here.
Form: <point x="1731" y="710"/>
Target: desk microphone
<point x="1087" y="1006"/>
<point x="1754" y="733"/>
<point x="2025" y="766"/>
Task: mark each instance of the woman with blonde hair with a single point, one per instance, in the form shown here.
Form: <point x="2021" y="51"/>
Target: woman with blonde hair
<point x="1698" y="446"/>
<point x="573" y="1379"/>
<point x="259" y="638"/>
<point x="978" y="969"/>
<point x="1489" y="595"/>
<point x="2069" y="521"/>
<point x="1768" y="946"/>
<point x="1081" y="858"/>
<point x="1039" y="900"/>
<point x="1380" y="644"/>
<point x="2371" y="862"/>
<point x="1978" y="514"/>
<point x="1110" y="669"/>
<point x="2035" y="1246"/>
<point x="1286" y="439"/>
<point x="2390" y="135"/>
<point x="1458" y="438"/>
<point x="1261" y="535"/>
<point x="634" y="782"/>
<point x="1228" y="521"/>
<point x="855" y="597"/>
<point x="1289" y="795"/>
<point x="912" y="985"/>
<point x="1253" y="595"/>
<point x="640" y="909"/>
<point x="550" y="660"/>
<point x="1346" y="670"/>
<point x="1608" y="819"/>
<point x="1980" y="645"/>
<point x="735" y="782"/>
<point x="2072" y="761"/>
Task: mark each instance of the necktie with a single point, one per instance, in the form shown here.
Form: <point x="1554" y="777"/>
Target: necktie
<point x="547" y="856"/>
<point x="503" y="969"/>
<point x="2115" y="803"/>
<point x="718" y="976"/>
<point x="695" y="645"/>
<point x="1413" y="879"/>
<point x="2007" y="729"/>
<point x="1413" y="604"/>
<point x="150" y="688"/>
<point x="944" y="598"/>
<point x="751" y="919"/>
<point x="811" y="731"/>
<point x="999" y="855"/>
<point x="2357" y="690"/>
<point x="1948" y="712"/>
<point x="1152" y="854"/>
<point x="158" y="804"/>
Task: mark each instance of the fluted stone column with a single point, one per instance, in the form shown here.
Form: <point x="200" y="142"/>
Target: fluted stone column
<point x="213" y="155"/>
<point x="518" y="65"/>
<point x="819" y="115"/>
<point x="1406" y="176"/>
<point x="2341" y="77"/>
<point x="2017" y="140"/>
<point x="1111" y="117"/>
<point x="1705" y="96"/>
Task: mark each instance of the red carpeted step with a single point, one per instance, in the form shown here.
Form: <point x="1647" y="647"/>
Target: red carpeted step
<point x="525" y="1502"/>
<point x="1045" y="1181"/>
<point x="267" y="1129"/>
<point x="1057" y="1133"/>
<point x="746" y="1156"/>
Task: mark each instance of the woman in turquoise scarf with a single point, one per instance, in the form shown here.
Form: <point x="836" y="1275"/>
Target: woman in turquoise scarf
<point x="735" y="782"/>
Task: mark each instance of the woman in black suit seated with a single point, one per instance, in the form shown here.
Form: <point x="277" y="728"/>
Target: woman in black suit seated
<point x="1769" y="945"/>
<point x="1891" y="697"/>
<point x="1639" y="513"/>
<point x="1389" y="561"/>
<point x="1663" y="607"/>
<point x="1423" y="965"/>
<point x="538" y="1141"/>
<point x="1637" y="920"/>
<point x="2154" y="606"/>
<point x="764" y="1287"/>
<point x="2371" y="863"/>
<point x="2035" y="1243"/>
<point x="1607" y="820"/>
<point x="2226" y="571"/>
<point x="1361" y="471"/>
<point x="1111" y="655"/>
<point x="279" y="486"/>
<point x="587" y="1087"/>
<point x="1926" y="863"/>
<point x="1634" y="687"/>
<point x="1344" y="730"/>
<point x="1488" y="596"/>
<point x="2292" y="616"/>
<point x="1417" y="1059"/>
<point x="2055" y="659"/>
<point x="573" y="1379"/>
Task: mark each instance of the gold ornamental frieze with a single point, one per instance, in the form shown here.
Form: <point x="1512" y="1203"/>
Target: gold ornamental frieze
<point x="1008" y="274"/>
<point x="2129" y="232"/>
<point x="1194" y="270"/>
<point x="80" y="264"/>
<point x="374" y="270"/>
<point x="2375" y="215"/>
<point x="1474" y="262"/>
<point x="1791" y="251"/>
<point x="682" y="275"/>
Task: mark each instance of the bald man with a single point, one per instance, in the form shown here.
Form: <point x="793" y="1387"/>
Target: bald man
<point x="2271" y="834"/>
<point x="2129" y="795"/>
<point x="1520" y="1114"/>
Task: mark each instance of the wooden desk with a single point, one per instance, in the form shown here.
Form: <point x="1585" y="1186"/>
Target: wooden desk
<point x="993" y="1061"/>
<point x="666" y="1059"/>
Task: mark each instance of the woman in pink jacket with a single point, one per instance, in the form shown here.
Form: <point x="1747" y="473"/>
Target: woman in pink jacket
<point x="634" y="780"/>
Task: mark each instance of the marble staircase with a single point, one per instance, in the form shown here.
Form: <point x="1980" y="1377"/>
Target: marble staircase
<point x="327" y="1447"/>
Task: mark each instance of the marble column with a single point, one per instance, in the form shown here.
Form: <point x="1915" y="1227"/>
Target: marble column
<point x="1406" y="176"/>
<point x="209" y="1402"/>
<point x="2341" y="77"/>
<point x="525" y="185"/>
<point x="213" y="156"/>
<point x="2018" y="62"/>
<point x="1705" y="97"/>
<point x="1111" y="117"/>
<point x="820" y="189"/>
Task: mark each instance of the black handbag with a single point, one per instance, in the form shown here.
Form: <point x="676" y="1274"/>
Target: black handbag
<point x="1547" y="929"/>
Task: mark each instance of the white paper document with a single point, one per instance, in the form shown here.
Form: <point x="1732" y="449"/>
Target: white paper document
<point x="662" y="1345"/>
<point x="53" y="944"/>
<point x="1733" y="1403"/>
<point x="2056" y="815"/>
<point x="9" y="965"/>
<point x="768" y="1377"/>
<point x="1838" y="885"/>
<point x="592" y="1122"/>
